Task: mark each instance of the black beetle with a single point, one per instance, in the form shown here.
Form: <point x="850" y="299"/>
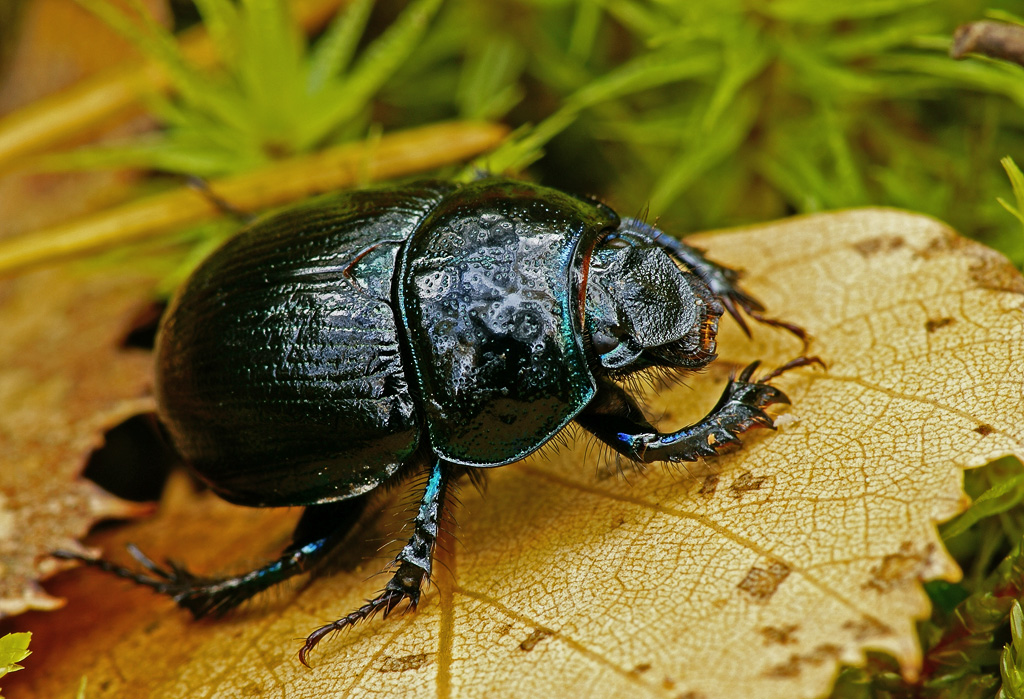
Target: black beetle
<point x="362" y="337"/>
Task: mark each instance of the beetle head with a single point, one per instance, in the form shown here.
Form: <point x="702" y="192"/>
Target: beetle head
<point x="644" y="309"/>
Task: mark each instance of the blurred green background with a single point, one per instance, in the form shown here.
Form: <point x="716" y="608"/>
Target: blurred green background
<point x="704" y="114"/>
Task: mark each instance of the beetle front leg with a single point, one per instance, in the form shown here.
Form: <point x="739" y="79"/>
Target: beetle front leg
<point x="614" y="418"/>
<point x="414" y="562"/>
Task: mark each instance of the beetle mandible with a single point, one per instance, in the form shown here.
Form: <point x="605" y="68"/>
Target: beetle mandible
<point x="362" y="337"/>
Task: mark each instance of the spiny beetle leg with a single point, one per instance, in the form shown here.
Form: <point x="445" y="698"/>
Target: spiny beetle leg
<point x="200" y="595"/>
<point x="791" y="328"/>
<point x="614" y="418"/>
<point x="740" y="408"/>
<point x="414" y="562"/>
<point x="318" y="531"/>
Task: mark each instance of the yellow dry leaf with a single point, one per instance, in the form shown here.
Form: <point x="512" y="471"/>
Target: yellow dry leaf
<point x="65" y="380"/>
<point x="751" y="576"/>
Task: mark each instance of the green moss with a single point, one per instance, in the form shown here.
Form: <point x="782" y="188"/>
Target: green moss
<point x="704" y="114"/>
<point x="275" y="96"/>
<point x="13" y="649"/>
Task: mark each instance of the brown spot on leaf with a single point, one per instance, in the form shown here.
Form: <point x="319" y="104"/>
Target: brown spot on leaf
<point x="879" y="244"/>
<point x="933" y="325"/>
<point x="792" y="667"/>
<point x="937" y="246"/>
<point x="990" y="270"/>
<point x="709" y="486"/>
<point x="779" y="635"/>
<point x="404" y="663"/>
<point x="746" y="482"/>
<point x="641" y="668"/>
<point x="867" y="627"/>
<point x="761" y="583"/>
<point x="984" y="430"/>
<point x="823" y="652"/>
<point x="898" y="568"/>
<point x="531" y="641"/>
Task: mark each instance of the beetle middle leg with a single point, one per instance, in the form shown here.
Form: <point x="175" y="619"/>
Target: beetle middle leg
<point x="414" y="563"/>
<point x="616" y="419"/>
<point x="320" y="529"/>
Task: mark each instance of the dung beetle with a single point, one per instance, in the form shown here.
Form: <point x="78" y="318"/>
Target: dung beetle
<point x="363" y="337"/>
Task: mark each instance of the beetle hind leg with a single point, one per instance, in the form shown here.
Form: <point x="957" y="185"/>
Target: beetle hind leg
<point x="200" y="595"/>
<point x="319" y="530"/>
<point x="413" y="564"/>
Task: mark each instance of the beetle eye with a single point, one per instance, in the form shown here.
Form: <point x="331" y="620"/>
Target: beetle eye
<point x="606" y="338"/>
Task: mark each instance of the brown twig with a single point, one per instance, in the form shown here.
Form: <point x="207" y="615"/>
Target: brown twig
<point x="993" y="39"/>
<point x="392" y="155"/>
<point x="58" y="117"/>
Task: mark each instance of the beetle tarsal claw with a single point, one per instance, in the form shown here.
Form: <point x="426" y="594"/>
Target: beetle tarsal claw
<point x="188" y="590"/>
<point x="386" y="602"/>
<point x="801" y="361"/>
<point x="414" y="562"/>
<point x="747" y="372"/>
<point x="792" y="328"/>
<point x="740" y="408"/>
